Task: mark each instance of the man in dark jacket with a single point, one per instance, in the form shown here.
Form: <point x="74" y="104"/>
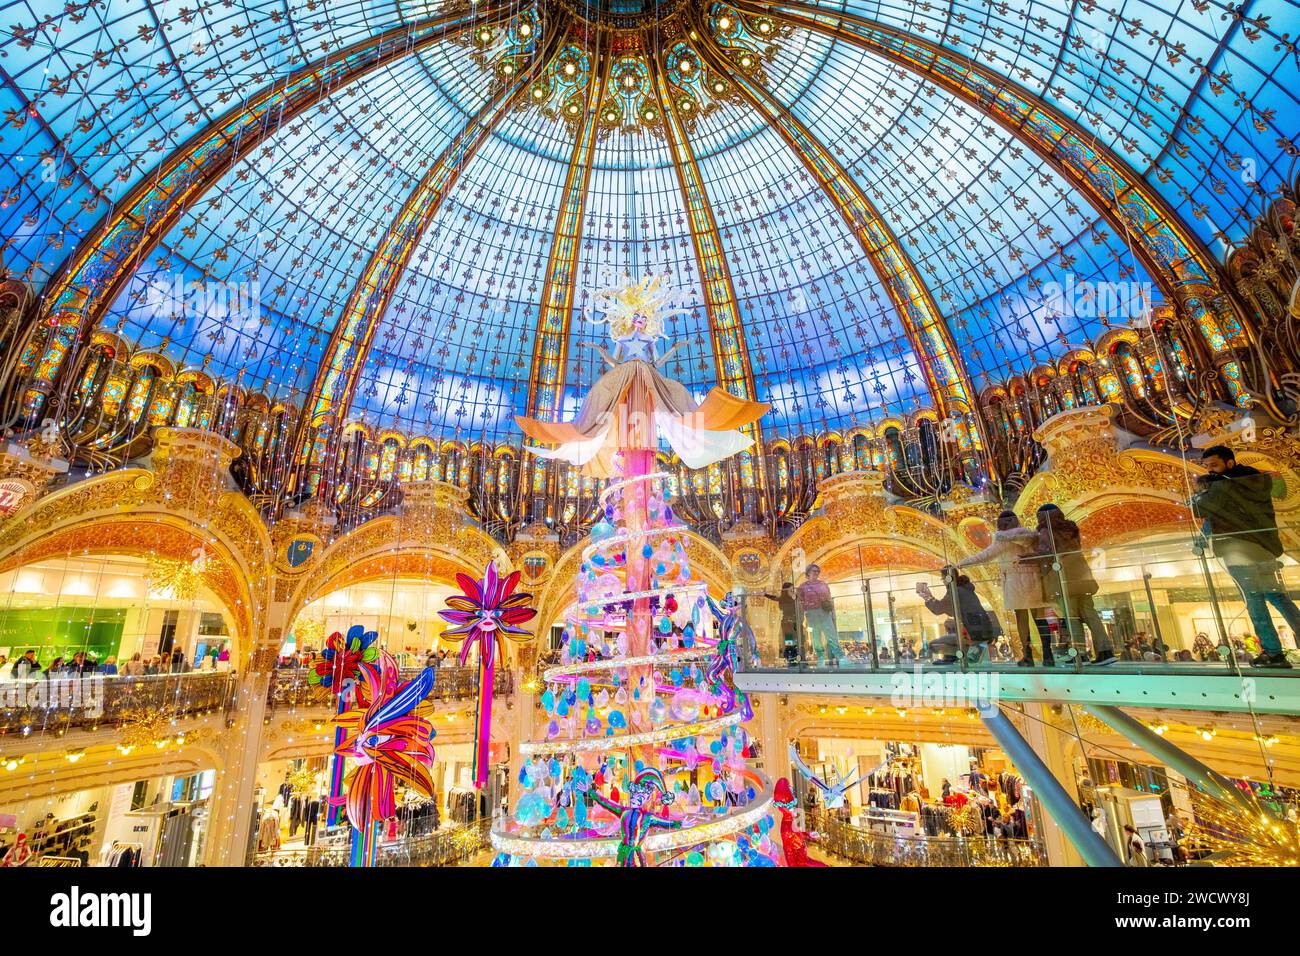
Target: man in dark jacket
<point x="1236" y="503"/>
<point x="977" y="626"/>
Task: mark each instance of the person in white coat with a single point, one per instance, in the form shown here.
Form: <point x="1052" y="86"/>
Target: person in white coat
<point x="1022" y="585"/>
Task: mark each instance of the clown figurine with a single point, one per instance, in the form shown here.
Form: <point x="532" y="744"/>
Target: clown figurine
<point x="635" y="820"/>
<point x="732" y="630"/>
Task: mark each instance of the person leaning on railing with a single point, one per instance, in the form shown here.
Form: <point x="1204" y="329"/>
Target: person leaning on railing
<point x="1236" y="504"/>
<point x="1071" y="586"/>
<point x="818" y="608"/>
<point x="1022" y="585"/>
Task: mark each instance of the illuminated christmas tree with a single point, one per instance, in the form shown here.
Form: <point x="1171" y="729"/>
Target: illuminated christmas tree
<point x="644" y="757"/>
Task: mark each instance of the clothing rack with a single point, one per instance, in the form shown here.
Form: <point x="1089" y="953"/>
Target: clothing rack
<point x="463" y="805"/>
<point x="124" y="854"/>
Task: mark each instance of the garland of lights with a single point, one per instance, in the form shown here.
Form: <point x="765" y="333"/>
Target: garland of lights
<point x="618" y="663"/>
<point x="622" y="742"/>
<point x="566" y="849"/>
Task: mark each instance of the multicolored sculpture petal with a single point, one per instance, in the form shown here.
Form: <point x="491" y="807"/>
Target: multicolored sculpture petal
<point x="482" y="614"/>
<point x="342" y="658"/>
<point x="385" y="741"/>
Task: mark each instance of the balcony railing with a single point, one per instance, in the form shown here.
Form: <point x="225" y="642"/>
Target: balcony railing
<point x="1168" y="606"/>
<point x="869" y="848"/>
<point x="446" y="847"/>
<point x="58" y="704"/>
<point x="291" y="688"/>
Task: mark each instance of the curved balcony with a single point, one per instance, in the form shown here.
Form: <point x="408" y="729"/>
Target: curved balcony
<point x="54" y="706"/>
<point x="290" y="687"/>
<point x="865" y="847"/>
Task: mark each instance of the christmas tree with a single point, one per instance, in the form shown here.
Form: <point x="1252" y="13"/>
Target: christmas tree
<point x="644" y="756"/>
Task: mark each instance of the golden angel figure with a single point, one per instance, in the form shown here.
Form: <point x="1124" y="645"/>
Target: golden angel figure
<point x="633" y="402"/>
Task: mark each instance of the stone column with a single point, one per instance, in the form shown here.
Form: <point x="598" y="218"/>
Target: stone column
<point x="1053" y="748"/>
<point x="231" y="818"/>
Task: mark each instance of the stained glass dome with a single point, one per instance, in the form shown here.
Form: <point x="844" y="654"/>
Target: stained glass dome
<point x="874" y="206"/>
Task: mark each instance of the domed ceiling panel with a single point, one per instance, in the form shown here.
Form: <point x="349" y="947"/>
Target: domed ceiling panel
<point x="970" y="204"/>
<point x="1199" y="97"/>
<point x="1195" y="88"/>
<point x="98" y="93"/>
<point x="297" y="221"/>
<point x="807" y="299"/>
<point x="451" y="354"/>
<point x="636" y="224"/>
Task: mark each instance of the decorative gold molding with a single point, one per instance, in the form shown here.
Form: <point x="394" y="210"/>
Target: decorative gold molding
<point x="1089" y="469"/>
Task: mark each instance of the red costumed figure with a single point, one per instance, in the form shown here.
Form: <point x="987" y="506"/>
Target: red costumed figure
<point x="793" y="842"/>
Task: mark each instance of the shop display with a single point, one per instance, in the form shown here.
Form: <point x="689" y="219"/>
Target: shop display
<point x="70" y="839"/>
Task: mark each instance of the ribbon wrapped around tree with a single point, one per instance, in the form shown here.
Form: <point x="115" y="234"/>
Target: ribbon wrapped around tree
<point x="483" y="614"/>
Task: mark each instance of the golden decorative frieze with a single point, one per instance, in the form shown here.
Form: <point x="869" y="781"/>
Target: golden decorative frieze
<point x="1088" y="466"/>
<point x="23" y="463"/>
<point x="858" y="513"/>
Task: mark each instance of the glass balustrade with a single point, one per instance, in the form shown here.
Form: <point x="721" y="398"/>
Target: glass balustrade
<point x="1177" y="604"/>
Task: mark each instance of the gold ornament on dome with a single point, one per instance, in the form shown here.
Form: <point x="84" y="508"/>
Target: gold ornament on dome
<point x="147" y="726"/>
<point x="179" y="578"/>
<point x="647" y="58"/>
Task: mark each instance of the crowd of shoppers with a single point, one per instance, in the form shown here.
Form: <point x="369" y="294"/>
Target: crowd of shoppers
<point x="82" y="664"/>
<point x="1048" y="586"/>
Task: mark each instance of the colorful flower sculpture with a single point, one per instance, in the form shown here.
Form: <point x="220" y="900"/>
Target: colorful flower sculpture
<point x="342" y="658"/>
<point x="385" y="741"/>
<point x="483" y="614"/>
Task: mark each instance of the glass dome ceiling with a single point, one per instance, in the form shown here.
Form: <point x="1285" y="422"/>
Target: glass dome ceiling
<point x="1196" y="98"/>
